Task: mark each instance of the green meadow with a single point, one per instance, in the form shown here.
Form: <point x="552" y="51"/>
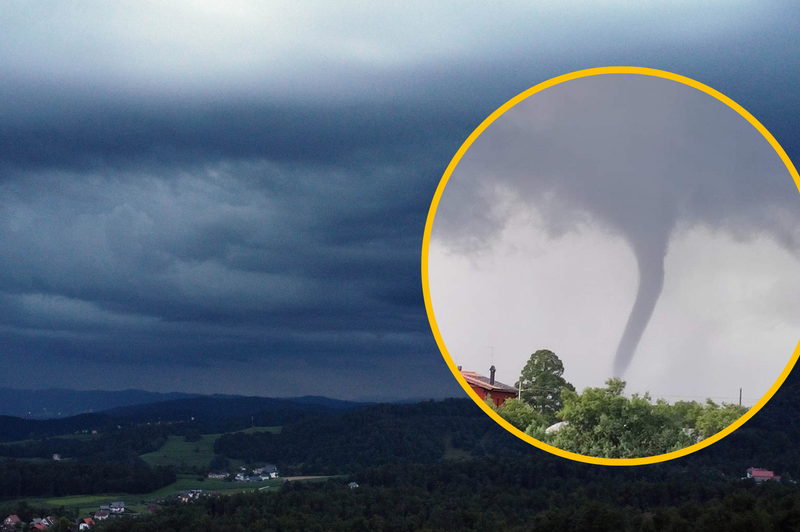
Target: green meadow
<point x="138" y="502"/>
<point x="175" y="452"/>
<point x="180" y="453"/>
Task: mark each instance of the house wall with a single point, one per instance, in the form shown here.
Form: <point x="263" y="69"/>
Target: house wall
<point x="498" y="398"/>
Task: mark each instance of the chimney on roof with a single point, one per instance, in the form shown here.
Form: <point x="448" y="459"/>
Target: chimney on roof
<point x="491" y="375"/>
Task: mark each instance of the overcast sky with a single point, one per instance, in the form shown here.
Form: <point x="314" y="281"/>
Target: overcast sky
<point x="581" y="190"/>
<point x="230" y="196"/>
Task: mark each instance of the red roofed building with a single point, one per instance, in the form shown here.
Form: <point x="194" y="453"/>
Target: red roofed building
<point x="484" y="386"/>
<point x="11" y="520"/>
<point x="761" y="475"/>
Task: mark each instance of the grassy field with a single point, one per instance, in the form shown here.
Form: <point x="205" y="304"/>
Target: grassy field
<point x="176" y="452"/>
<point x="180" y="453"/>
<point x="139" y="502"/>
<point x="251" y="430"/>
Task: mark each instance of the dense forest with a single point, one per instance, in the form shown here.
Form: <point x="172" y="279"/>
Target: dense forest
<point x="419" y="433"/>
<point x="55" y="479"/>
<point x="496" y="494"/>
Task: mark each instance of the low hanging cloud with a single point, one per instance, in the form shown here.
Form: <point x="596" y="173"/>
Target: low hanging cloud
<point x="639" y="156"/>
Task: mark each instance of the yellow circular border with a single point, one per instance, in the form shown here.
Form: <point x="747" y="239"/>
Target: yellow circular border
<point x="426" y="249"/>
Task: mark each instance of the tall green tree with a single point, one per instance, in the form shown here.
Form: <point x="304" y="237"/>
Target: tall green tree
<point x="542" y="381"/>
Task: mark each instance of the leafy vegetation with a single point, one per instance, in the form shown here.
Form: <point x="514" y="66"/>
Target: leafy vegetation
<point x="604" y="422"/>
<point x="542" y="384"/>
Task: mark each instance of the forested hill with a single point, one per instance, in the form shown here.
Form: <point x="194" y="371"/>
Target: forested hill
<point x="223" y="413"/>
<point x="415" y="433"/>
<point x="60" y="403"/>
<point x="212" y="414"/>
<point x="429" y="431"/>
<point x="16" y="428"/>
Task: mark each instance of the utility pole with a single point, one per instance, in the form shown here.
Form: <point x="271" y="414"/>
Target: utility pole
<point x="740" y="397"/>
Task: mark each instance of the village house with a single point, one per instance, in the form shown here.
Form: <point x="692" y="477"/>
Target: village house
<point x="266" y="471"/>
<point x="218" y="475"/>
<point x="117" y="507"/>
<point x="352" y="485"/>
<point x="489" y="386"/>
<point x="761" y="475"/>
<point x="11" y="522"/>
<point x="102" y="515"/>
<point x="186" y="496"/>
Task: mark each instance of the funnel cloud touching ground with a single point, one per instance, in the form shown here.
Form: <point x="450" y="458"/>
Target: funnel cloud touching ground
<point x="642" y="159"/>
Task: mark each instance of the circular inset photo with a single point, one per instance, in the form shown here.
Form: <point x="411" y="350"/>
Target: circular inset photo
<point x="610" y="266"/>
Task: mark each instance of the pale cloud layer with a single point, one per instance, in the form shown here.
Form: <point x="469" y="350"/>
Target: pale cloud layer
<point x="727" y="317"/>
<point x="563" y="202"/>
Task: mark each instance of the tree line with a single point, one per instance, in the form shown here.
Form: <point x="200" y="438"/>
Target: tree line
<point x="603" y="421"/>
<point x="536" y="493"/>
<point x="56" y="479"/>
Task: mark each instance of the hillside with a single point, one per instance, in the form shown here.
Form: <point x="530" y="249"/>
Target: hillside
<point x="211" y="414"/>
<point x="60" y="403"/>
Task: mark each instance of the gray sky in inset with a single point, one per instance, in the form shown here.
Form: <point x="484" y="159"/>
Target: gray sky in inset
<point x="557" y="209"/>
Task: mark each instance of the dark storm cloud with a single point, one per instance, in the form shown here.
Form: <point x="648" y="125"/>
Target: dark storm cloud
<point x="180" y="187"/>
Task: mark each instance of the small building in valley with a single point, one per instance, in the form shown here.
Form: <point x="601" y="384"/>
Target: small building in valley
<point x="761" y="475"/>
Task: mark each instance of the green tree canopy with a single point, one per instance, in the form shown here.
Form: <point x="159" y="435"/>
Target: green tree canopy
<point x="542" y="383"/>
<point x="603" y="422"/>
<point x="520" y="414"/>
<point x="713" y="417"/>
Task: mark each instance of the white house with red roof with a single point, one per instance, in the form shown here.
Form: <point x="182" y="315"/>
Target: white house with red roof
<point x="761" y="475"/>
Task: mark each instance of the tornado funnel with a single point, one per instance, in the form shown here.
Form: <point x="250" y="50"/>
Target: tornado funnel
<point x="650" y="255"/>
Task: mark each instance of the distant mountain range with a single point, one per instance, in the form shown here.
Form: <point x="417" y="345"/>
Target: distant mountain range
<point x="60" y="403"/>
<point x="53" y="412"/>
<point x="101" y="410"/>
